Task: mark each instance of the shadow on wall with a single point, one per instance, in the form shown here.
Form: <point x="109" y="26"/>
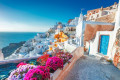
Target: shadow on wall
<point x="91" y="29"/>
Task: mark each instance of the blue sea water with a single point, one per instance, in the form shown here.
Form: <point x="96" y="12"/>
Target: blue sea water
<point x="14" y="37"/>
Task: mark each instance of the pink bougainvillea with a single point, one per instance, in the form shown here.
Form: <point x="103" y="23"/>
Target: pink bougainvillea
<point x="39" y="73"/>
<point x="54" y="63"/>
<point x="64" y="56"/>
<point x="20" y="72"/>
<point x="21" y="64"/>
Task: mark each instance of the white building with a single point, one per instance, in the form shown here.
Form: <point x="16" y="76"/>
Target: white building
<point x="107" y="39"/>
<point x="24" y="49"/>
<point x="102" y="43"/>
<point x="92" y="15"/>
<point x="80" y="29"/>
<point x="74" y="22"/>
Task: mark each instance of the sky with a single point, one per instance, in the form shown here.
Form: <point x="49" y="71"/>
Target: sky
<point x="40" y="15"/>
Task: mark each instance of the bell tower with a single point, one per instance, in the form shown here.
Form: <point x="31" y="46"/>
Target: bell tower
<point x="81" y="17"/>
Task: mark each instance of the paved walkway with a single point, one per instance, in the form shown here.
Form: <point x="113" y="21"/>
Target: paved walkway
<point x="91" y="68"/>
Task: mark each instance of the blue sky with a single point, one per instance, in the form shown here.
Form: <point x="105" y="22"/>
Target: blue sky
<point x="40" y="15"/>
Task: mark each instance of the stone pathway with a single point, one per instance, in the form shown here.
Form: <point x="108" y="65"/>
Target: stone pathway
<point x="91" y="68"/>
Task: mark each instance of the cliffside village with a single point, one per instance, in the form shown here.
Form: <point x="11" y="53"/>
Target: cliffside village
<point x="97" y="31"/>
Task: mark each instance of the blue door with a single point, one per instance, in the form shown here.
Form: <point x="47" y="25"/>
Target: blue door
<point x="104" y="44"/>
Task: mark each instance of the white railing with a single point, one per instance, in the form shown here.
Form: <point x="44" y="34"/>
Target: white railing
<point x="69" y="47"/>
<point x="17" y="60"/>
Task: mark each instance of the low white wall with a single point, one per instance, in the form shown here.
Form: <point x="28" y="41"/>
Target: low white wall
<point x="61" y="74"/>
<point x="54" y="75"/>
<point x="94" y="45"/>
<point x="69" y="47"/>
<point x="17" y="60"/>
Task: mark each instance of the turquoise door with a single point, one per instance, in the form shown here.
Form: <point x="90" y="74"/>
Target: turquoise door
<point x="104" y="44"/>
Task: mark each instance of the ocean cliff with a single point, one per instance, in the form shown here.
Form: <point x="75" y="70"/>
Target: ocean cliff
<point x="7" y="51"/>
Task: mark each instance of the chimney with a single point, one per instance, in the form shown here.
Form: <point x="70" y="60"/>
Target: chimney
<point x="1" y="55"/>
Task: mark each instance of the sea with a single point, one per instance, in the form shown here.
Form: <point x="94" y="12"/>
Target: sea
<point x="15" y="37"/>
<point x="12" y="37"/>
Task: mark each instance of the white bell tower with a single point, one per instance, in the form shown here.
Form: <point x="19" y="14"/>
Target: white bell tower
<point x="79" y="30"/>
<point x="80" y="18"/>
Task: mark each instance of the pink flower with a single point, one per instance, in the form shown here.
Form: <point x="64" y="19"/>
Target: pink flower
<point x="41" y="72"/>
<point x="20" y="72"/>
<point x="21" y="64"/>
<point x="34" y="78"/>
<point x="54" y="63"/>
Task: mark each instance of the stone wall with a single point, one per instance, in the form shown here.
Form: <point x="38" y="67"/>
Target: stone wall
<point x="116" y="46"/>
<point x="108" y="18"/>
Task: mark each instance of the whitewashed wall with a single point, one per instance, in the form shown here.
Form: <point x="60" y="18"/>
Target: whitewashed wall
<point x="111" y="50"/>
<point x="70" y="48"/>
<point x="113" y="36"/>
<point x="80" y="28"/>
<point x="94" y="45"/>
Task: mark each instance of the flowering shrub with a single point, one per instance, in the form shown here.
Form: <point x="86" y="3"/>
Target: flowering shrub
<point x="42" y="60"/>
<point x="21" y="64"/>
<point x="31" y="72"/>
<point x="20" y="72"/>
<point x="54" y="63"/>
<point x="61" y="37"/>
<point x="39" y="73"/>
<point x="64" y="56"/>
